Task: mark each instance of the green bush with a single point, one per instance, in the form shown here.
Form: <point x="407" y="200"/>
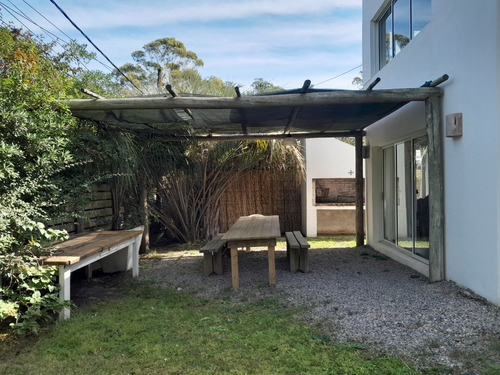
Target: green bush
<point x="35" y="160"/>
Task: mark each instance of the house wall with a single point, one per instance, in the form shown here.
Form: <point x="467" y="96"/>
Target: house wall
<point x="461" y="40"/>
<point x="325" y="158"/>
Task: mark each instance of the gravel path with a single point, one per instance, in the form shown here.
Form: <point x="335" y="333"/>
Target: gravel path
<point x="357" y="295"/>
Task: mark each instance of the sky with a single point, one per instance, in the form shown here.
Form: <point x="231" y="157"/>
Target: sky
<point x="284" y="42"/>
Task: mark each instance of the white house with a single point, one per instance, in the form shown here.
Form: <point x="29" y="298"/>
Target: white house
<point x="329" y="174"/>
<point x="407" y="43"/>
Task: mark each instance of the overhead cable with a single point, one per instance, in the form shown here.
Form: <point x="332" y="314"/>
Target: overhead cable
<point x="61" y="31"/>
<point x="97" y="48"/>
<point x="340" y="75"/>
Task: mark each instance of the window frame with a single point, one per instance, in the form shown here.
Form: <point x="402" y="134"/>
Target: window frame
<point x="388" y="12"/>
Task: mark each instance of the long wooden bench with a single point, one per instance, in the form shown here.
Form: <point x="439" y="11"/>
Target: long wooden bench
<point x="297" y="251"/>
<point x="87" y="248"/>
<point x="212" y="255"/>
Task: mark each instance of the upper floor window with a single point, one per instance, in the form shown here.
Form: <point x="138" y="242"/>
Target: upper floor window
<point x="401" y="22"/>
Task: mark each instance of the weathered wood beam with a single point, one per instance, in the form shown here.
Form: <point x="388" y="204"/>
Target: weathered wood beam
<point x="265" y="101"/>
<point x="373" y="84"/>
<point x="439" y="80"/>
<point x="174" y="94"/>
<point x="360" y="227"/>
<point x="92" y="94"/>
<point x="242" y="137"/>
<point x="436" y="189"/>
<point x="296" y="110"/>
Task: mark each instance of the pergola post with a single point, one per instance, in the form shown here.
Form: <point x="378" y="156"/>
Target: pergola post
<point x="360" y="228"/>
<point x="436" y="188"/>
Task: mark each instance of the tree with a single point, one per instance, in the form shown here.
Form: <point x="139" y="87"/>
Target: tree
<point x="260" y="86"/>
<point x="157" y="61"/>
<point x="189" y="81"/>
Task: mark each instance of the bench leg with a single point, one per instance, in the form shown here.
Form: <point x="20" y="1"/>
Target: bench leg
<point x="272" y="265"/>
<point x="135" y="256"/>
<point x="304" y="260"/>
<point x="294" y="260"/>
<point x="207" y="264"/>
<point x="217" y="262"/>
<point x="65" y="291"/>
<point x="234" y="268"/>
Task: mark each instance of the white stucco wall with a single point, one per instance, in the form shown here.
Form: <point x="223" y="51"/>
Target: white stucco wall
<point x="325" y="158"/>
<point x="461" y="40"/>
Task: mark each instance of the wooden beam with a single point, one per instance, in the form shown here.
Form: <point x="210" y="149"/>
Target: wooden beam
<point x="174" y="94"/>
<point x="373" y="84"/>
<point x="295" y="111"/>
<point x="360" y="227"/>
<point x="92" y="94"/>
<point x="263" y="101"/>
<point x="241" y="137"/>
<point x="436" y="189"/>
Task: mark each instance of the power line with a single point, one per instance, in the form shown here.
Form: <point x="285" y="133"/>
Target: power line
<point x="50" y="34"/>
<point x="17" y="19"/>
<point x="97" y="48"/>
<point x="49" y="21"/>
<point x="340" y="75"/>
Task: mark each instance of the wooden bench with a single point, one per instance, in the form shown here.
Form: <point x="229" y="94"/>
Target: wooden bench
<point x="212" y="255"/>
<point x="297" y="251"/>
<point x="84" y="249"/>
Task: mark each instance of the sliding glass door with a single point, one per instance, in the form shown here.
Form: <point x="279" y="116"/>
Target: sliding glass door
<point x="406" y="200"/>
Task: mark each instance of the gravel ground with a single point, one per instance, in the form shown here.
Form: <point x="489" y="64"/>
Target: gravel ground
<point x="357" y="296"/>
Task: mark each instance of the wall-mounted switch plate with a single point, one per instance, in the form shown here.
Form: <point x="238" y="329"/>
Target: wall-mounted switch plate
<point x="454" y="125"/>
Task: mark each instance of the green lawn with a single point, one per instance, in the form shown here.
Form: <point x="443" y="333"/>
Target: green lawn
<point x="147" y="330"/>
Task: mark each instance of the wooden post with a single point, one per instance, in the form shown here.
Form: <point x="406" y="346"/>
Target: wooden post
<point x="436" y="189"/>
<point x="360" y="229"/>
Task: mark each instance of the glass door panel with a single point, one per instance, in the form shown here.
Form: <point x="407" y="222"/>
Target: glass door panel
<point x="404" y="195"/>
<point x="389" y="196"/>
<point x="420" y="151"/>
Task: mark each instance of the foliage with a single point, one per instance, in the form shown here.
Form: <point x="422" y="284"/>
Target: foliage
<point x="261" y="86"/>
<point x="173" y="332"/>
<point x="188" y="195"/>
<point x="157" y="62"/>
<point x="189" y="81"/>
<point x="36" y="164"/>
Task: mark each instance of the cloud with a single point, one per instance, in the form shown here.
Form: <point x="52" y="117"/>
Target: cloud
<point x="114" y="14"/>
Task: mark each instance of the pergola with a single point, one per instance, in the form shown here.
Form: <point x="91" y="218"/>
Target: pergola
<point x="301" y="113"/>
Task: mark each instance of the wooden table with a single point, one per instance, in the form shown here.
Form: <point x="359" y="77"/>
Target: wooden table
<point x="82" y="250"/>
<point x="250" y="231"/>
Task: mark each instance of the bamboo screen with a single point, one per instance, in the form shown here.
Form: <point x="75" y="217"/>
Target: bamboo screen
<point x="266" y="193"/>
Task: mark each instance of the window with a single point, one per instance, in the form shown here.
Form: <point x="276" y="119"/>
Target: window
<point x="401" y="22"/>
<point x="406" y="196"/>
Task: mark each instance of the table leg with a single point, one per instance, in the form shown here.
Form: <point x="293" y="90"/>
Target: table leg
<point x="65" y="291"/>
<point x="234" y="268"/>
<point x="272" y="266"/>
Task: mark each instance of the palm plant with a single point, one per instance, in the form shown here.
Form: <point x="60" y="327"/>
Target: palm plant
<point x="188" y="198"/>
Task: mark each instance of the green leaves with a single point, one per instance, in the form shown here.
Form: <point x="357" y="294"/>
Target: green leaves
<point x="35" y="159"/>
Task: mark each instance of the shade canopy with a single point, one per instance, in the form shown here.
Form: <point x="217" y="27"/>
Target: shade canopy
<point x="301" y="112"/>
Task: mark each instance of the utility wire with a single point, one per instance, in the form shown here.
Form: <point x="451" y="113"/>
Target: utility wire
<point x="97" y="48"/>
<point x="49" y="21"/>
<point x="62" y="32"/>
<point x="17" y="19"/>
<point x="337" y="76"/>
<point x="54" y="37"/>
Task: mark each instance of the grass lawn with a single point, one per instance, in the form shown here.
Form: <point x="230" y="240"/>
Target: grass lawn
<point x="147" y="330"/>
<point x="143" y="329"/>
